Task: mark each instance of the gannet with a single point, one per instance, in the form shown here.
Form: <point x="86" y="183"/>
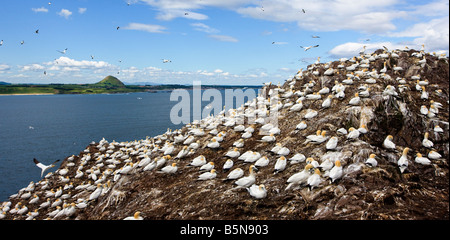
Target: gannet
<point x="300" y="177"/>
<point x="227" y="165"/>
<point x="270" y="138"/>
<point x="262" y="162"/>
<point x="257" y="192"/>
<point x="326" y="166"/>
<point x="438" y="129"/>
<point x="247" y="181"/>
<point x="307" y="48"/>
<point x="352" y="133"/>
<point x="169" y="169"/>
<point x="424" y="94"/>
<point x="233" y="153"/>
<point x="94" y="195"/>
<point x="371" y="162"/>
<point x="355" y="100"/>
<point x="434" y="155"/>
<point x="213" y="144"/>
<point x="403" y="160"/>
<point x="310" y="114"/>
<point x="207" y="167"/>
<point x="332" y="143"/>
<point x="44" y="167"/>
<point x="136" y="216"/>
<point x="302" y="125"/>
<point x="207" y="175"/>
<point x="426" y="142"/>
<point x="252" y="157"/>
<point x="314" y="180"/>
<point x="239" y="143"/>
<point x="297" y="107"/>
<point x="327" y="102"/>
<point x="235" y="174"/>
<point x="422" y="160"/>
<point x="424" y="110"/>
<point x="280" y="164"/>
<point x="297" y="158"/>
<point x="336" y="172"/>
<point x="387" y="143"/>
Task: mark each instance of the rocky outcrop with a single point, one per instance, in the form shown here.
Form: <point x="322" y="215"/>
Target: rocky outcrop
<point x="363" y="192"/>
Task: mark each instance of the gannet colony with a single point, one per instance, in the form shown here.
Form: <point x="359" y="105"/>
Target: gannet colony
<point x="360" y="138"/>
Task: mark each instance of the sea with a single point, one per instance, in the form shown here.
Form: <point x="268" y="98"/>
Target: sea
<point x="52" y="127"/>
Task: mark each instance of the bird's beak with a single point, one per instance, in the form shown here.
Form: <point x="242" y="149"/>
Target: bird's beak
<point x="255" y="169"/>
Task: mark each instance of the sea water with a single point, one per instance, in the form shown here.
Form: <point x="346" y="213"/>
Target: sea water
<point x="51" y="127"/>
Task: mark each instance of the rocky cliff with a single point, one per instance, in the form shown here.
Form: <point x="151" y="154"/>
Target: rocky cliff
<point x="392" y="87"/>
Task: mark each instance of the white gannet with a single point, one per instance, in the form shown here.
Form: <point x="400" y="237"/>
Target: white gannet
<point x="235" y="174"/>
<point x="309" y="47"/>
<point x="169" y="169"/>
<point x="438" y="129"/>
<point x="262" y="161"/>
<point x="424" y="94"/>
<point x="355" y="100"/>
<point x="426" y="142"/>
<point x="434" y="155"/>
<point x="257" y="192"/>
<point x="336" y="172"/>
<point x="387" y="143"/>
<point x="424" y="110"/>
<point x="94" y="195"/>
<point x="327" y="102"/>
<point x="44" y="167"/>
<point x="227" y="165"/>
<point x="314" y="180"/>
<point x="284" y="151"/>
<point x="252" y="157"/>
<point x="332" y="143"/>
<point x="213" y="144"/>
<point x="371" y="161"/>
<point x="136" y="216"/>
<point x="207" y="167"/>
<point x="310" y="113"/>
<point x="297" y="107"/>
<point x="300" y="177"/>
<point x="198" y="161"/>
<point x="239" y="143"/>
<point x="280" y="164"/>
<point x="207" y="175"/>
<point x="297" y="158"/>
<point x="403" y="160"/>
<point x="352" y="133"/>
<point x="270" y="138"/>
<point x="302" y="125"/>
<point x="422" y="160"/>
<point x="233" y="153"/>
<point x="247" y="181"/>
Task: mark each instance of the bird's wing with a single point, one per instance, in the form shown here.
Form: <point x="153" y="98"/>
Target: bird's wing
<point x="38" y="164"/>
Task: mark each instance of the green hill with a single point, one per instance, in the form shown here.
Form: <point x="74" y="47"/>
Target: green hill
<point x="110" y="82"/>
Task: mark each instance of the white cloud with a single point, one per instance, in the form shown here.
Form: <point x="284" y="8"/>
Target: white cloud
<point x="224" y="38"/>
<point x="65" y="13"/>
<point x="145" y="27"/>
<point x="4" y="67"/>
<point x="70" y="64"/>
<point x="41" y="9"/>
<point x="33" y="67"/>
<point x="351" y="49"/>
<point x="82" y="10"/>
<point x="204" y="28"/>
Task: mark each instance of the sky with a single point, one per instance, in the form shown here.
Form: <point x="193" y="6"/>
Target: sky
<point x="227" y="42"/>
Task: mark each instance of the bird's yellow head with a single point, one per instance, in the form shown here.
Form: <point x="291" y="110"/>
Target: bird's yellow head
<point x="372" y="155"/>
<point x="419" y="155"/>
<point x="337" y="163"/>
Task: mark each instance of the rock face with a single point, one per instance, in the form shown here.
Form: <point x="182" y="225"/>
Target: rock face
<point x="362" y="192"/>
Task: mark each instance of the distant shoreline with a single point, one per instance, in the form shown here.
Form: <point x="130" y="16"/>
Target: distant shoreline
<point x="25" y="94"/>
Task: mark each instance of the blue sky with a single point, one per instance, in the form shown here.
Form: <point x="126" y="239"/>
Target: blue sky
<point x="214" y="41"/>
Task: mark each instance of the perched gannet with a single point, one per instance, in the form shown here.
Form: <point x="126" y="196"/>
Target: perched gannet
<point x="426" y="142"/>
<point x="434" y="155"/>
<point x="438" y="129"/>
<point x="247" y="181"/>
<point x="387" y="143"/>
<point x="302" y="125"/>
<point x="227" y="165"/>
<point x="424" y="110"/>
<point x="207" y="175"/>
<point x="403" y="160"/>
<point x="327" y="102"/>
<point x="239" y="143"/>
<point x="336" y="172"/>
<point x="94" y="195"/>
<point x="270" y="138"/>
<point x="198" y="161"/>
<point x="213" y="144"/>
<point x="355" y="100"/>
<point x="136" y="216"/>
<point x="314" y="180"/>
<point x="352" y="133"/>
<point x="252" y="157"/>
<point x="424" y="94"/>
<point x="300" y="177"/>
<point x="235" y="174"/>
<point x="233" y="153"/>
<point x="422" y="160"/>
<point x="257" y="192"/>
<point x="262" y="161"/>
<point x="207" y="167"/>
<point x="371" y="161"/>
<point x="284" y="151"/>
<point x="169" y="169"/>
<point x="297" y="158"/>
<point x="280" y="164"/>
<point x="44" y="167"/>
<point x="332" y="143"/>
